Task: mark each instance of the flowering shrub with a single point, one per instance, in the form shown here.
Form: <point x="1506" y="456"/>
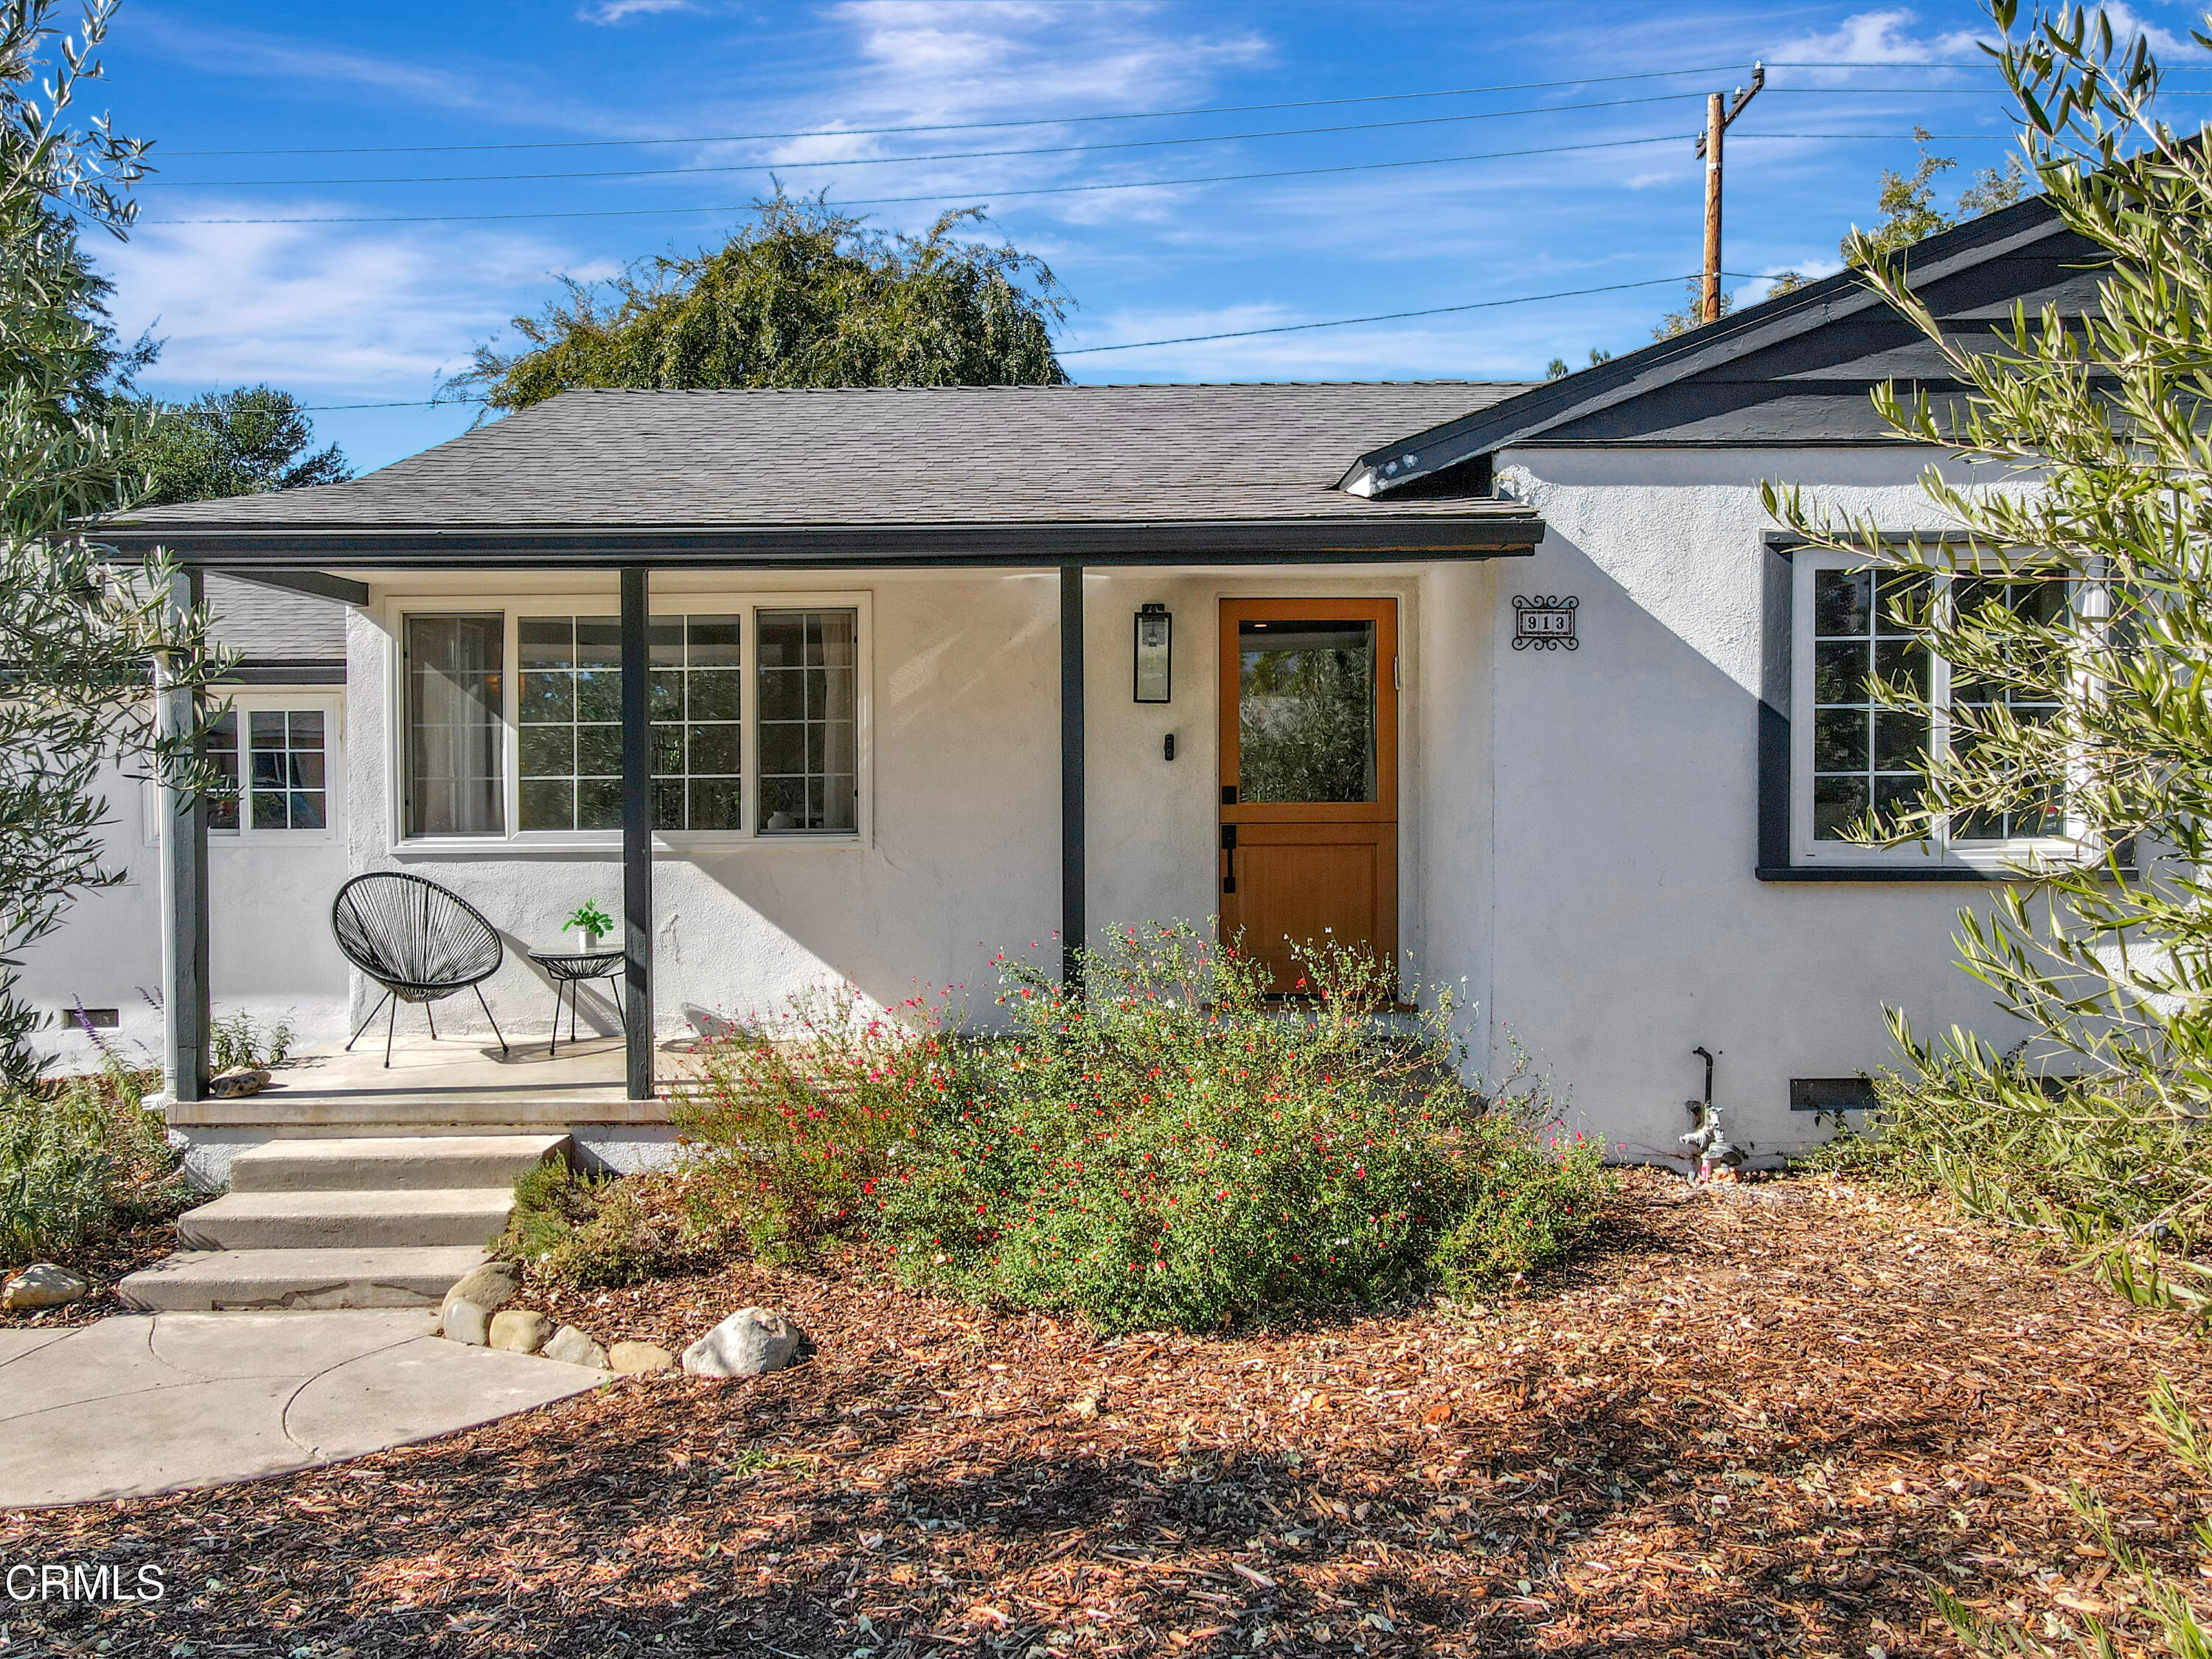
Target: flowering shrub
<point x="1175" y="1150"/>
<point x="798" y="1115"/>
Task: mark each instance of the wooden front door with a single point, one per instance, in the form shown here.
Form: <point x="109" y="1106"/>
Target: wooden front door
<point x="1309" y="777"/>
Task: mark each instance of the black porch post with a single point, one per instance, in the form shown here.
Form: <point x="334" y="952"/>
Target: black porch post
<point x="637" y="832"/>
<point x="185" y="1009"/>
<point x="1072" y="925"/>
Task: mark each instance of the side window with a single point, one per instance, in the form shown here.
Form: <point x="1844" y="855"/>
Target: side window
<point x="274" y="764"/>
<point x="221" y="751"/>
<point x="1850" y="626"/>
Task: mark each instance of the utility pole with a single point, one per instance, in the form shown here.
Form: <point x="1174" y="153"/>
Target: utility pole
<point x="1718" y="119"/>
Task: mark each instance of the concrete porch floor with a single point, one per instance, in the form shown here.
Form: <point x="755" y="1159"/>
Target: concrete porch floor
<point x="458" y="1080"/>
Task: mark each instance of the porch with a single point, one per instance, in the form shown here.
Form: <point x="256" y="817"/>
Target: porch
<point x="460" y="1080"/>
<point x="556" y="520"/>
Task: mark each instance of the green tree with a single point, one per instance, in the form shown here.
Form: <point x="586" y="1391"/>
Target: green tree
<point x="1909" y="213"/>
<point x="233" y="443"/>
<point x="2074" y="609"/>
<point x="2079" y="666"/>
<point x="78" y="630"/>
<point x="800" y="295"/>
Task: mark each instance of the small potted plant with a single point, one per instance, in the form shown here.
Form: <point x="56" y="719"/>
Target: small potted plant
<point x="591" y="924"/>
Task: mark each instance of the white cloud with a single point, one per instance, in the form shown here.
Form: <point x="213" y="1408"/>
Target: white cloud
<point x="621" y="11"/>
<point x="1893" y="35"/>
<point x="316" y="308"/>
<point x="936" y="63"/>
<point x="1873" y="37"/>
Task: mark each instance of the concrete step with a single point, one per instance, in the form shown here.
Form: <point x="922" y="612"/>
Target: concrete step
<point x="196" y="1281"/>
<point x="391" y="1163"/>
<point x="363" y="1219"/>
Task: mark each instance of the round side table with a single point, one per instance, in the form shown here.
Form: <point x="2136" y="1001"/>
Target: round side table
<point x="566" y="970"/>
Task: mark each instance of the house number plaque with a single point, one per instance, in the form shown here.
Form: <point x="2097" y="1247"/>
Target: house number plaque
<point x="1547" y="623"/>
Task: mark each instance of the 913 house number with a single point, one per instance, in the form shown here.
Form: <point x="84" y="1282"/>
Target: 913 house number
<point x="1547" y="623"/>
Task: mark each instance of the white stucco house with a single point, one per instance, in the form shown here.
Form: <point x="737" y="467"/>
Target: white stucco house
<point x="1519" y="680"/>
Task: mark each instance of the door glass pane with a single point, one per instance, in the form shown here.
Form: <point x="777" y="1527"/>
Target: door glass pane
<point x="1305" y="711"/>
<point x="809" y="705"/>
<point x="454" y="666"/>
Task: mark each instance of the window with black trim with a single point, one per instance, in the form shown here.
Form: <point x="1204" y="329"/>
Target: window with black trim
<point x="1850" y="627"/>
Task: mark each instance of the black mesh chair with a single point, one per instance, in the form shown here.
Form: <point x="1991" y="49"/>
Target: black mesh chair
<point x="418" y="941"/>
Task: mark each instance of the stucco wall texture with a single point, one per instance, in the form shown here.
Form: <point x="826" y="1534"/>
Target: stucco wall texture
<point x="1578" y="834"/>
<point x="1629" y="927"/>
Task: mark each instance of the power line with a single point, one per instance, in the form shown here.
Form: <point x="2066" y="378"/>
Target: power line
<point x="971" y="154"/>
<point x="1191" y="339"/>
<point x="941" y="196"/>
<point x="1135" y="115"/>
<point x="976" y="126"/>
<point x="972" y="192"/>
<point x="941" y="156"/>
<point x="1385" y="316"/>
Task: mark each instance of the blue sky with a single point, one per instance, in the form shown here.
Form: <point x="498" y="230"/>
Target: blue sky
<point x="360" y="313"/>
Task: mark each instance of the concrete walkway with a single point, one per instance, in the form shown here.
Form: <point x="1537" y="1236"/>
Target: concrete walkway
<point x="141" y="1404"/>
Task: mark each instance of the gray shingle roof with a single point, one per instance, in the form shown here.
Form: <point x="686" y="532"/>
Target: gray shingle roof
<point x="269" y="625"/>
<point x="994" y="456"/>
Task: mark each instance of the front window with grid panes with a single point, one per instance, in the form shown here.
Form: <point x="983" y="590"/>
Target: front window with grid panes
<point x="755" y="714"/>
<point x="809" y="721"/>
<point x="1853" y="626"/>
<point x="698" y="727"/>
<point x="278" y="777"/>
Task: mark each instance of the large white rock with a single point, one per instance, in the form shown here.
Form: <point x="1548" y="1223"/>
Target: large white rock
<point x="476" y="1295"/>
<point x="572" y="1347"/>
<point x="748" y="1342"/>
<point x="44" y="1285"/>
<point x="463" y="1321"/>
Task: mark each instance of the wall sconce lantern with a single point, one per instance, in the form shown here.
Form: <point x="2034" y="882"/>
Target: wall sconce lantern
<point x="1155" y="670"/>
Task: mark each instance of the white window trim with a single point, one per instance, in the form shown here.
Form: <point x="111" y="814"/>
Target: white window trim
<point x="330" y="704"/>
<point x="1996" y="857"/>
<point x="673" y="601"/>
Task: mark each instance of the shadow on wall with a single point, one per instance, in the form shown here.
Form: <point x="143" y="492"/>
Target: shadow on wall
<point x="1629" y="926"/>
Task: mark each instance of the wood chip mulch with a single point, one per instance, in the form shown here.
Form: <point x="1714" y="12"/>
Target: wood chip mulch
<point x="104" y="1261"/>
<point x="1757" y="1421"/>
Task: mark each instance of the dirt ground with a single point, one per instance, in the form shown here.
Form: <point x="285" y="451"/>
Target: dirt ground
<point x="1757" y="1421"/>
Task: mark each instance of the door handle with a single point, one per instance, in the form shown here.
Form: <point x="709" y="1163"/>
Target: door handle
<point x="1229" y="855"/>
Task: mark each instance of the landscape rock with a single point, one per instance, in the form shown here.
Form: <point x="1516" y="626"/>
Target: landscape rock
<point x="748" y="1342"/>
<point x="520" y="1330"/>
<point x="492" y="1285"/>
<point x="630" y="1357"/>
<point x="572" y="1347"/>
<point x="463" y="1321"/>
<point x="238" y="1081"/>
<point x="44" y="1285"/>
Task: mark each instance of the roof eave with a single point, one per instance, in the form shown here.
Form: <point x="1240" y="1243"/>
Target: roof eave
<point x="1519" y="420"/>
<point x="1386" y="538"/>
